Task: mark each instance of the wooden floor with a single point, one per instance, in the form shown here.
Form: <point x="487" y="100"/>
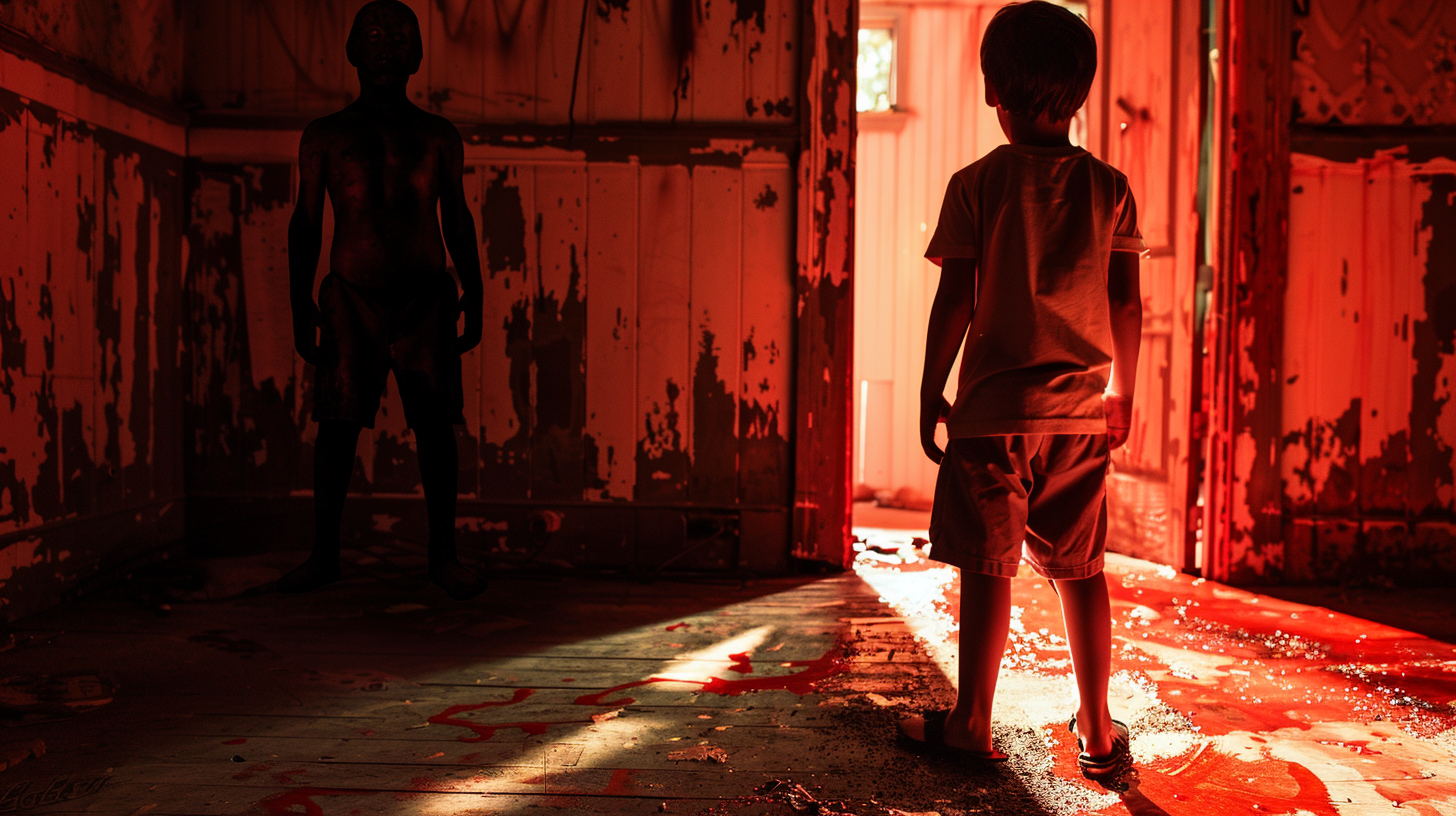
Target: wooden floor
<point x="378" y="695"/>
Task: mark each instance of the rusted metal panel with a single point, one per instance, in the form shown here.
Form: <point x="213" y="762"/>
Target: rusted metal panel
<point x="1363" y="63"/>
<point x="825" y="287"/>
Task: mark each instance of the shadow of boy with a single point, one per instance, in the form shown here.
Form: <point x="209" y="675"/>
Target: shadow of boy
<point x="388" y="303"/>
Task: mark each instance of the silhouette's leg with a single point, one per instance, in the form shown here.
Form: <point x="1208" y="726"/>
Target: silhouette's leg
<point x="333" y="464"/>
<point x="1087" y="614"/>
<point x="439" y="473"/>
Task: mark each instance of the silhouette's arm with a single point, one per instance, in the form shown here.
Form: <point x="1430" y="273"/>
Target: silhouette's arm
<point x="1125" y="304"/>
<point x="950" y="316"/>
<point x="458" y="226"/>
<point x="305" y="237"/>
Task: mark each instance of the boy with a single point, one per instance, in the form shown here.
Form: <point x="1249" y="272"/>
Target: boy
<point x="388" y="304"/>
<point x="1039" y="246"/>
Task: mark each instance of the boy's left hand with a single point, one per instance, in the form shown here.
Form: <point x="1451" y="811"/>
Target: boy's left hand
<point x="1118" y="410"/>
<point x="932" y="412"/>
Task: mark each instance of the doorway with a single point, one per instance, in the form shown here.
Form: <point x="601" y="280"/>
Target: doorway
<point x="922" y="116"/>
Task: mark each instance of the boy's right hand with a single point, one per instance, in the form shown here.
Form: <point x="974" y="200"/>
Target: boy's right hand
<point x="933" y="411"/>
<point x="1118" y="410"/>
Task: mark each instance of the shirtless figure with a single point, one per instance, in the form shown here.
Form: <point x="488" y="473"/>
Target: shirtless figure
<point x="388" y="304"/>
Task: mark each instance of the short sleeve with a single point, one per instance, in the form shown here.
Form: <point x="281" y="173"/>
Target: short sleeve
<point x="1125" y="234"/>
<point x="956" y="233"/>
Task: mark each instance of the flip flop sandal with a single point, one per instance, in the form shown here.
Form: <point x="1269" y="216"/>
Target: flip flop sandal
<point x="1108" y="771"/>
<point x="934" y="742"/>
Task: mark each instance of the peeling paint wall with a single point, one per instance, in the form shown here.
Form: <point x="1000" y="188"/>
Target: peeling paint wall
<point x="137" y="43"/>
<point x="640" y="60"/>
<point x="634" y="383"/>
<point x="1369" y="429"/>
<point x="1332" y="447"/>
<point x="90" y="324"/>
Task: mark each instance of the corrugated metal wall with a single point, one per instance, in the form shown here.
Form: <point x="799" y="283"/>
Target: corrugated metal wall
<point x="90" y="325"/>
<point x="635" y="374"/>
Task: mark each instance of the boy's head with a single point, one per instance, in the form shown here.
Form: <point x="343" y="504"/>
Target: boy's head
<point x="385" y="42"/>
<point x="1039" y="59"/>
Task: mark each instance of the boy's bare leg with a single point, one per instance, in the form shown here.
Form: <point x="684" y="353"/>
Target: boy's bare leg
<point x="439" y="473"/>
<point x="333" y="464"/>
<point x="1087" y="614"/>
<point x="985" y="622"/>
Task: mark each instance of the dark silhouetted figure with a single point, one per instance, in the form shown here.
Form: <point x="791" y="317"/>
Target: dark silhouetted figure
<point x="388" y="303"/>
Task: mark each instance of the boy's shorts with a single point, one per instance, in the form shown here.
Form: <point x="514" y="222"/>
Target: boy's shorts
<point x="1048" y="490"/>
<point x="366" y="332"/>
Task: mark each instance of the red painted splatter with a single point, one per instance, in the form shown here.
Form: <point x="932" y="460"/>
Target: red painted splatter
<point x="286" y="777"/>
<point x="238" y="741"/>
<point x="814" y="672"/>
<point x="249" y="772"/>
<point x="677" y="626"/>
<point x="741" y="663"/>
<point x="285" y="803"/>
<point x="484" y="731"/>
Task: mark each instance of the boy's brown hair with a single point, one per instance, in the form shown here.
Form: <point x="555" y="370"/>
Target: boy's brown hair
<point x="1040" y="58"/>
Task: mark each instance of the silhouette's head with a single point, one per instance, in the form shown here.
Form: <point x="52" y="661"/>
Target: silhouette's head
<point x="1039" y="59"/>
<point x="384" y="43"/>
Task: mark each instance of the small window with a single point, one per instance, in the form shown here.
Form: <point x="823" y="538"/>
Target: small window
<point x="876" y="68"/>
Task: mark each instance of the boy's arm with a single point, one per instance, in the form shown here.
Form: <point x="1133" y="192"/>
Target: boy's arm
<point x="458" y="226"/>
<point x="950" y="316"/>
<point x="305" y="238"/>
<point x="1125" y="305"/>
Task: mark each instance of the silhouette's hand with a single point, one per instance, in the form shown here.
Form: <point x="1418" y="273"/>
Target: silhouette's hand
<point x="932" y="412"/>
<point x="470" y="338"/>
<point x="305" y="335"/>
<point x="1118" y="409"/>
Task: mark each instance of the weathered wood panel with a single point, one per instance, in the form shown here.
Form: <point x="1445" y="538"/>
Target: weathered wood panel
<point x="1367" y="440"/>
<point x="640" y="61"/>
<point x="138" y="44"/>
<point x="1244" y="520"/>
<point x="88" y="347"/>
<point x="619" y="298"/>
<point x="824" y="364"/>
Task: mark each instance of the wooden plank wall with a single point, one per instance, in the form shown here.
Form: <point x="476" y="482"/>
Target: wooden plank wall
<point x="640" y="287"/>
<point x="138" y="43"/>
<point x="642" y="60"/>
<point x="90" y="322"/>
<point x="1368" y="434"/>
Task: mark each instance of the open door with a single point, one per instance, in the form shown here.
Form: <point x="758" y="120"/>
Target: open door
<point x="1149" y="114"/>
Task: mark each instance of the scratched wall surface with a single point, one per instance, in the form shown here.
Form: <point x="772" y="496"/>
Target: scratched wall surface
<point x="1369" y="427"/>
<point x="90" y="317"/>
<point x="138" y="43"/>
<point x="1375" y="62"/>
<point x="640" y="60"/>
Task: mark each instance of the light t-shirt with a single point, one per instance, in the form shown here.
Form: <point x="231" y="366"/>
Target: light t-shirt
<point x="1041" y="223"/>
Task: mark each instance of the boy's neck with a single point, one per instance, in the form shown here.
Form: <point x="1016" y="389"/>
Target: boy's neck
<point x="1037" y="132"/>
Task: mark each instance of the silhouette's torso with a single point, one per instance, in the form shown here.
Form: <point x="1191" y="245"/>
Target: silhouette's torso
<point x="382" y="174"/>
